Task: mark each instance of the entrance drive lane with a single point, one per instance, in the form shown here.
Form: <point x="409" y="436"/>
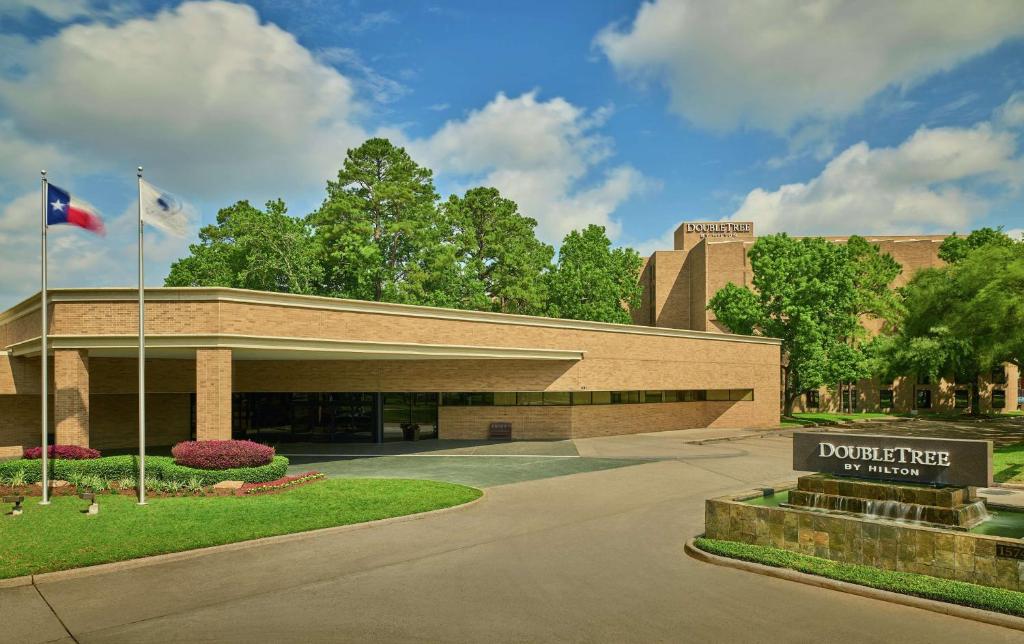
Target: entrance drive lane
<point x="590" y="557"/>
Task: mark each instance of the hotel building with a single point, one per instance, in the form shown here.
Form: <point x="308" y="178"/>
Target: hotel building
<point x="225" y="363"/>
<point x="679" y="283"/>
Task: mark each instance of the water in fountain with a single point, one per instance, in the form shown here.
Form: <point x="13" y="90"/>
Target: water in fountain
<point x="894" y="510"/>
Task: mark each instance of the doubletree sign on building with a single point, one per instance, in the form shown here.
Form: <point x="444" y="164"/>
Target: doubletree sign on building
<point x="932" y="461"/>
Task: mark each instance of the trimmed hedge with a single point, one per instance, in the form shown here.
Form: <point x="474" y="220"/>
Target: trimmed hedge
<point x="999" y="600"/>
<point x="222" y="455"/>
<point x="112" y="468"/>
<point x="71" y="452"/>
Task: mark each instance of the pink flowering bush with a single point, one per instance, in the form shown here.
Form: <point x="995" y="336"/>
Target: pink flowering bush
<point x="221" y="455"/>
<point x="69" y="452"/>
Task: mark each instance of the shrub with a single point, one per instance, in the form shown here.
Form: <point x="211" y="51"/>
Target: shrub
<point x="70" y="452"/>
<point x="113" y="468"/>
<point x="221" y="455"/>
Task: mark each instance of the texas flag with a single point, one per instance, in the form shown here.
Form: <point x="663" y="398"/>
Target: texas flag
<point x="60" y="210"/>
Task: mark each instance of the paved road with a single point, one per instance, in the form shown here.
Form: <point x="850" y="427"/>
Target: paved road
<point x="592" y="557"/>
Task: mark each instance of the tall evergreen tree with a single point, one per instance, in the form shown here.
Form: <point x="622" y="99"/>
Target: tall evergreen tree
<point x="593" y="281"/>
<point x="378" y="225"/>
<point x="502" y="263"/>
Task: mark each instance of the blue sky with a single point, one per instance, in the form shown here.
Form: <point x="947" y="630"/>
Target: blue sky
<point x="811" y="118"/>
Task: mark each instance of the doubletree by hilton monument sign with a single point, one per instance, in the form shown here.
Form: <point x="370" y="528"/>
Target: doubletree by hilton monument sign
<point x="932" y="461"/>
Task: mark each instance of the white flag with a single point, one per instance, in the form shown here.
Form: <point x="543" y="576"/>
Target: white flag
<point x="163" y="210"/>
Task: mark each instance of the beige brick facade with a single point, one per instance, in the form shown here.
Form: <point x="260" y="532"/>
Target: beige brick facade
<point x="71" y="396"/>
<point x="213" y="394"/>
<point x="206" y="344"/>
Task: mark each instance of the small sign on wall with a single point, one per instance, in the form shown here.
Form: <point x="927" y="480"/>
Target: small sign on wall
<point x="933" y="461"/>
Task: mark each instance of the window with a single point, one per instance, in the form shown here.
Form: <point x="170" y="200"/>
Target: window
<point x="654" y="396"/>
<point x="693" y="395"/>
<point x="556" y="397"/>
<point x="530" y="398"/>
<point x="581" y="397"/>
<point x="623" y="397"/>
<point x="505" y="398"/>
<point x="813" y="399"/>
<point x="602" y="397"/>
<point x="962" y="398"/>
<point x="672" y="396"/>
<point x="741" y="394"/>
<point x="998" y="399"/>
<point x="718" y="394"/>
<point x="924" y="399"/>
<point x="885" y="398"/>
<point x="999" y="375"/>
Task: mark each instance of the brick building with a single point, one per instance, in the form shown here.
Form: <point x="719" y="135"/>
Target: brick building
<point x="679" y="283"/>
<point x="277" y="367"/>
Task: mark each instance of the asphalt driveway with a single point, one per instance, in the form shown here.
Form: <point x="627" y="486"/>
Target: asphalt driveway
<point x="590" y="557"/>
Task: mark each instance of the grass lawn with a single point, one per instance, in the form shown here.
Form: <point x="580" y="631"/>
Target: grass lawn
<point x="1008" y="463"/>
<point x="956" y="592"/>
<point x="59" y="537"/>
<point x="803" y="419"/>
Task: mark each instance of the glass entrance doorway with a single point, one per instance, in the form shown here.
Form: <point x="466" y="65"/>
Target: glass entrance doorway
<point x="333" y="417"/>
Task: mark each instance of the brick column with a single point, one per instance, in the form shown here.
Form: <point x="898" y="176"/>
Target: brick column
<point x="213" y="394"/>
<point x="71" y="396"/>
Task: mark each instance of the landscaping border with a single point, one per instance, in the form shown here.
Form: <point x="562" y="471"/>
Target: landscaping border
<point x="154" y="560"/>
<point x="935" y="606"/>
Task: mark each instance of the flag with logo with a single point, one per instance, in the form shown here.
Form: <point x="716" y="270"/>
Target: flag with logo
<point x="162" y="209"/>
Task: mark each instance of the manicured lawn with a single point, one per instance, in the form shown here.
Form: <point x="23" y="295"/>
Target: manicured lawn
<point x="60" y="536"/>
<point x="1008" y="463"/>
<point x="956" y="592"/>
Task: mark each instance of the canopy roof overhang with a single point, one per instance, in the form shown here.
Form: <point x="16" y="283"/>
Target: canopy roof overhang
<point x="245" y="347"/>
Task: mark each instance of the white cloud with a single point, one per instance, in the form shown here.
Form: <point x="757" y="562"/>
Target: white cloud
<point x="774" y="64"/>
<point x="1011" y="114"/>
<point x="542" y="154"/>
<point x="210" y="100"/>
<point x="933" y="181"/>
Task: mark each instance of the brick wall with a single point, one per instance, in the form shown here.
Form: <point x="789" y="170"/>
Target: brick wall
<point x="71" y="396"/>
<point x="114" y="420"/>
<point x="213" y="394"/>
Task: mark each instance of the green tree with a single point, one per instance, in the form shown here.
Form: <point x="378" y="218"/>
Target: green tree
<point x="805" y="293"/>
<point x="501" y="261"/>
<point x="962" y="319"/>
<point x="378" y="226"/>
<point x="265" y="250"/>
<point x="593" y="281"/>
<point x="955" y="248"/>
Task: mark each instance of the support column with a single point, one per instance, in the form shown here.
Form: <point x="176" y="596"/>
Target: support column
<point x="71" y="396"/>
<point x="213" y="394"/>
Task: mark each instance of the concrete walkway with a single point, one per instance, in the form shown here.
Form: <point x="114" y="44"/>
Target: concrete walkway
<point x="591" y="557"/>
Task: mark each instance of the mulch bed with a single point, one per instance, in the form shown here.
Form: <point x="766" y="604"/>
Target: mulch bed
<point x="248" y="489"/>
<point x="280" y="485"/>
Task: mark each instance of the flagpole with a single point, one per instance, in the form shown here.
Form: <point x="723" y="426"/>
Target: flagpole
<point x="142" y="359"/>
<point x="44" y="332"/>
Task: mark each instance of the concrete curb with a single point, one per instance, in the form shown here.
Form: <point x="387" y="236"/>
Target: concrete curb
<point x="154" y="560"/>
<point x="955" y="610"/>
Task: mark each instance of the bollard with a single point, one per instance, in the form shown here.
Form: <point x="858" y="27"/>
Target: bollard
<point x="17" y="501"/>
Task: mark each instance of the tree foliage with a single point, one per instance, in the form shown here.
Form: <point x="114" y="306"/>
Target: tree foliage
<point x="380" y="234"/>
<point x="264" y="250"/>
<point x="592" y="280"/>
<point x="962" y="319"/>
<point x="501" y="260"/>
<point x="812" y="294"/>
<point x="376" y="224"/>
<point x="956" y="248"/>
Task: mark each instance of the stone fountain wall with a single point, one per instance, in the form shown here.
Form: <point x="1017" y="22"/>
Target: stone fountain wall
<point x="937" y="552"/>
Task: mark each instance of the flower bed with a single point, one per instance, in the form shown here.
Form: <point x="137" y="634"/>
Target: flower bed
<point x="222" y="455"/>
<point x="69" y="452"/>
<point x="280" y="484"/>
<point x="114" y="468"/>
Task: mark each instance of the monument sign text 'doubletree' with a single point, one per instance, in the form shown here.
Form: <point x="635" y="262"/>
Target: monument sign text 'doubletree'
<point x="933" y="461"/>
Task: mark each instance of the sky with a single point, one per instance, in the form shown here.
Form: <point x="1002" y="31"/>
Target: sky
<point x="824" y="117"/>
